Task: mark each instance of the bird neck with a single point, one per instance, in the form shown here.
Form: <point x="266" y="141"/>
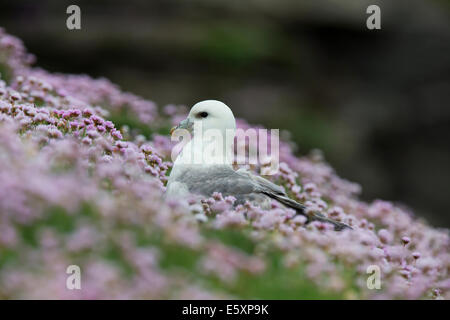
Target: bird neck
<point x="209" y="149"/>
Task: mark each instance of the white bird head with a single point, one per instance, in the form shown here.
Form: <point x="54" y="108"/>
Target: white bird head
<point x="211" y="114"/>
<point x="212" y="125"/>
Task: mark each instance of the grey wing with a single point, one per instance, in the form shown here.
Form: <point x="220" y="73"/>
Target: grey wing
<point x="243" y="185"/>
<point x="276" y="192"/>
<point x="240" y="184"/>
<point x="207" y="180"/>
<point x="260" y="184"/>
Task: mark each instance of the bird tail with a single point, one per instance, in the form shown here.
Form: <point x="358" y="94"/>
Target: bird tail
<point x="301" y="209"/>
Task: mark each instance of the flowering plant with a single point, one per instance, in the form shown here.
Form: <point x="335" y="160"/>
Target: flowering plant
<point x="83" y="168"/>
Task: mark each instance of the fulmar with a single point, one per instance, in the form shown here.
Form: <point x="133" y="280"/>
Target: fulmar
<point x="204" y="165"/>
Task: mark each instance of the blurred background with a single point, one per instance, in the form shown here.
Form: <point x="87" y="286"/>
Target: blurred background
<point x="377" y="102"/>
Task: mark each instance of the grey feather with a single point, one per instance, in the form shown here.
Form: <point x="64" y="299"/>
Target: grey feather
<point x="241" y="184"/>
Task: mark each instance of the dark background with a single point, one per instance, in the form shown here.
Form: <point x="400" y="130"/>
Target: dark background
<point x="377" y="102"/>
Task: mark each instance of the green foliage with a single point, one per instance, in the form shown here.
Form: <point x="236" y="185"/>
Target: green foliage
<point x="235" y="45"/>
<point x="5" y="73"/>
<point x="279" y="282"/>
<point x="237" y="238"/>
<point x="126" y="118"/>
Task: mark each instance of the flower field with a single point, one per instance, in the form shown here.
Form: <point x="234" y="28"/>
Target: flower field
<point x="83" y="167"/>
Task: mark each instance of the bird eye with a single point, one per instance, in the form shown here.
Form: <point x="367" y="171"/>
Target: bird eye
<point x="203" y="114"/>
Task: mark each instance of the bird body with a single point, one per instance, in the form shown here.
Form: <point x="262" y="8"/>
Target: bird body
<point x="204" y="165"/>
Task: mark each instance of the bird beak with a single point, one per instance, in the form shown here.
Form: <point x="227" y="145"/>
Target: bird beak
<point x="185" y="124"/>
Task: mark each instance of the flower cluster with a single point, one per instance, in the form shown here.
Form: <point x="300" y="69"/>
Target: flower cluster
<point x="79" y="186"/>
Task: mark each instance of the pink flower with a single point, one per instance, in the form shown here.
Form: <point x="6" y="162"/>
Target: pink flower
<point x="406" y="240"/>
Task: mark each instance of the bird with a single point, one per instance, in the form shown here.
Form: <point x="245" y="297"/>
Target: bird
<point x="198" y="171"/>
